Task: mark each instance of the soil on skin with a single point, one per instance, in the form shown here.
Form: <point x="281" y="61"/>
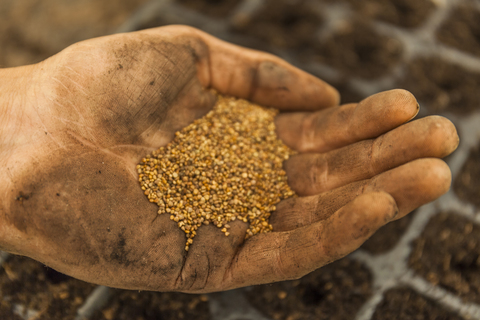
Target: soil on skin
<point x="462" y="30"/>
<point x="387" y="236"/>
<point x="29" y="283"/>
<point x="357" y="49"/>
<point x="448" y="254"/>
<point x="467" y="183"/>
<point x="442" y="86"/>
<point x="336" y="291"/>
<point x="406" y="304"/>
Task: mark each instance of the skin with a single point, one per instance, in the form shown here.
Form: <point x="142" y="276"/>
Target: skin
<point x="73" y="127"/>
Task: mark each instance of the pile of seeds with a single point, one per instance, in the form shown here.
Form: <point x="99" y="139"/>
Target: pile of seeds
<point x="223" y="167"/>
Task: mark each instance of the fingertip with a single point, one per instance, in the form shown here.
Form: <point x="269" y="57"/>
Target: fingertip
<point x="333" y="94"/>
<point x="434" y="176"/>
<point x="396" y="106"/>
<point x="358" y="220"/>
<point x="438" y="178"/>
<point x="404" y="103"/>
<point x="323" y="95"/>
<point x="441" y="135"/>
<point x="452" y="139"/>
<point x="376" y="208"/>
<point x="385" y="204"/>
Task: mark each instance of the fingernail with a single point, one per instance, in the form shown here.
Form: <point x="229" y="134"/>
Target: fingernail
<point x="416" y="113"/>
<point x="393" y="212"/>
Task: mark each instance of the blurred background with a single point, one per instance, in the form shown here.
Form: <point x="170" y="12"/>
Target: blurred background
<point x="424" y="266"/>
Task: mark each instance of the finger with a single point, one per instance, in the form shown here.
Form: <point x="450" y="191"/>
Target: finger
<point x="337" y="127"/>
<point x="313" y="173"/>
<point x="411" y="185"/>
<point x="287" y="255"/>
<point x="257" y="76"/>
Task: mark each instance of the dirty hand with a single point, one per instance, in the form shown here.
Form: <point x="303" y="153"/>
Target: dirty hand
<point x="73" y="128"/>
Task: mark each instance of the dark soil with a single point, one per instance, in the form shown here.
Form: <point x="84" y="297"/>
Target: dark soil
<point x="448" y="251"/>
<point x="406" y="304"/>
<point x="358" y="50"/>
<point x="134" y="305"/>
<point x="387" y="236"/>
<point x="29" y="283"/>
<point x="6" y="311"/>
<point x="442" y="86"/>
<point x="284" y="24"/>
<point x="212" y="8"/>
<point x="57" y="297"/>
<point x="462" y="29"/>
<point x="467" y="183"/>
<point x="336" y="291"/>
<point x="448" y="254"/>
<point x="404" y="13"/>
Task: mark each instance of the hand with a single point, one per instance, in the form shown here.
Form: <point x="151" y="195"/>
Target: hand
<point x="73" y="128"/>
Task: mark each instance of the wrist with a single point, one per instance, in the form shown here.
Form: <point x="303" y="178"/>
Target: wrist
<point x="17" y="91"/>
<point x="15" y="87"/>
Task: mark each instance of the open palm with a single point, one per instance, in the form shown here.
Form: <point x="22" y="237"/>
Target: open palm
<point x="78" y="123"/>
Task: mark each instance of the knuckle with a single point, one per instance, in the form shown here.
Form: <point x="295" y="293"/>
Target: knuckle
<point x="307" y="135"/>
<point x="319" y="173"/>
<point x="373" y="148"/>
<point x="440" y="172"/>
<point x="442" y="133"/>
